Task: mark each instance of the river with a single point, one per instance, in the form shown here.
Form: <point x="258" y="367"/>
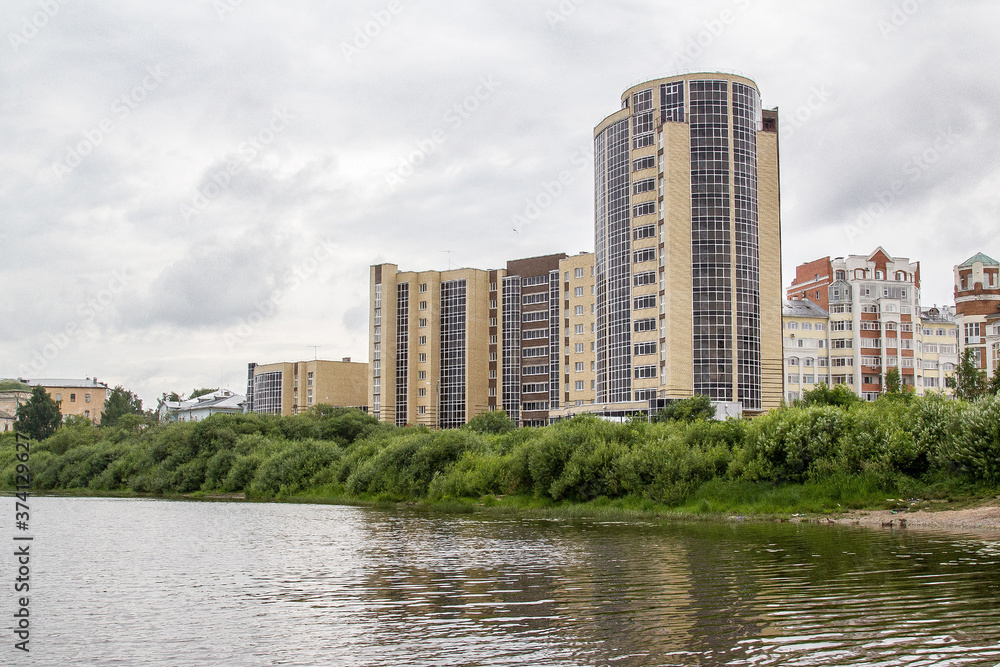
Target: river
<point x="147" y="582"/>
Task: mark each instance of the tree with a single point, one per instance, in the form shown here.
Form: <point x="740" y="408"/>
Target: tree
<point x="687" y="410"/>
<point x="493" y="421"/>
<point x="39" y="417"/>
<point x="970" y="381"/>
<point x="121" y="402"/>
<point x="893" y="381"/>
<point x="839" y="396"/>
<point x="994" y="385"/>
<point x="195" y="393"/>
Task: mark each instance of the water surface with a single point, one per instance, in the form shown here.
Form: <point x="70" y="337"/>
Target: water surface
<point x="145" y="582"/>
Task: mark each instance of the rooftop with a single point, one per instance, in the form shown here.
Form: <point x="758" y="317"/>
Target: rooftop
<point x="801" y="308"/>
<point x="13" y="385"/>
<point x="985" y="260"/>
<point x="67" y="383"/>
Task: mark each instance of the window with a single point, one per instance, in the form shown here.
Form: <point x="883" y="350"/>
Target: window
<point x="534" y="352"/>
<point x="537" y="297"/>
<point x="72" y="398"/>
<point x="422" y="288"/>
<point x="793" y="378"/>
<point x="819" y="326"/>
<point x="644" y="255"/>
<point x="578" y="292"/>
<point x="423" y="305"/>
<point x="578" y="348"/>
<point x="644" y="232"/>
<point x="535" y="280"/>
<point x="86" y="398"/>
<point x="841" y="275"/>
<point x="535" y="316"/>
<point x="578" y="272"/>
<point x="646" y="278"/>
<point x="421" y="391"/>
<point x="809" y="379"/>
<point x="643" y="302"/>
<point x="422" y="340"/>
<point x="422" y="322"/>
<point x="646" y="208"/>
<point x="578" y="367"/>
<point x="578" y="329"/>
<point x="58" y="397"/>
<point x="578" y="310"/>
<point x="578" y="385"/>
<point x="531" y="334"/>
<point x="645" y="185"/>
<point x="647" y="162"/>
<point x="421" y="375"/>
<point x="535" y="388"/>
<point x="642" y="349"/>
<point x="645" y="372"/>
<point x="648" y="324"/>
<point x="535" y="370"/>
<point x="793" y="361"/>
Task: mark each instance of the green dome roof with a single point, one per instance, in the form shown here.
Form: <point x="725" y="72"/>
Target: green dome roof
<point x="979" y="257"/>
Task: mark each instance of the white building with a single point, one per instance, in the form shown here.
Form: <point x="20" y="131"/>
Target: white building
<point x="218" y="402"/>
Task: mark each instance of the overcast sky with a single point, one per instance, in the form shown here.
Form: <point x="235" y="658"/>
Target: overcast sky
<point x="187" y="187"/>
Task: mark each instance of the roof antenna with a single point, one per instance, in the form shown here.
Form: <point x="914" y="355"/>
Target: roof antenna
<point x="314" y="349"/>
<point x="449" y="257"/>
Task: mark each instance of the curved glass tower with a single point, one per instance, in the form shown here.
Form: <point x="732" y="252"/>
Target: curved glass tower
<point x="688" y="253"/>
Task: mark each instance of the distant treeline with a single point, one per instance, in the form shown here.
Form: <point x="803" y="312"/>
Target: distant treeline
<point x="856" y="452"/>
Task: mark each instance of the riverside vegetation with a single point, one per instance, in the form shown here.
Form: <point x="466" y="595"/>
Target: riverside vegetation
<point x="826" y="453"/>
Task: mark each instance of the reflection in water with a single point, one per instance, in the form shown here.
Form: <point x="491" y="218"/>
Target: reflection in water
<point x="150" y="582"/>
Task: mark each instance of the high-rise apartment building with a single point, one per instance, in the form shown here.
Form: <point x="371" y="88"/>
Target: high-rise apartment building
<point x="977" y="309"/>
<point x="688" y="248"/>
<point x="876" y="323"/>
<point x="448" y="345"/>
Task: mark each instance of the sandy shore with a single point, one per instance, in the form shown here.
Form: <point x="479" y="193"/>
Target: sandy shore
<point x="983" y="518"/>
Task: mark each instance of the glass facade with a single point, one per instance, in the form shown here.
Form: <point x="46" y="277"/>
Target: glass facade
<point x="613" y="269"/>
<point x="511" y="366"/>
<point x="747" y="122"/>
<point x="554" y="365"/>
<point x="402" y="350"/>
<point x="453" y="351"/>
<point x="267" y="393"/>
<point x="711" y="248"/>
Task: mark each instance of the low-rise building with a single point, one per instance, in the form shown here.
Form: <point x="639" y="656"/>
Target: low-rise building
<point x="977" y="308"/>
<point x="218" y="402"/>
<point x="13" y="394"/>
<point x="81" y="398"/>
<point x="806" y="347"/>
<point x="289" y="388"/>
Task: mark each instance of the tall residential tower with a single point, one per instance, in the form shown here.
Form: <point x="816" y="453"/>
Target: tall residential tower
<point x="688" y="247"/>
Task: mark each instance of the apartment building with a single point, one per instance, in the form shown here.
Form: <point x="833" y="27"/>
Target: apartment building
<point x="448" y="345"/>
<point x="806" y="347"/>
<point x="578" y="342"/>
<point x="81" y="398"/>
<point x="688" y="250"/>
<point x="938" y="348"/>
<point x="977" y="309"/>
<point x="289" y="388"/>
<point x="876" y="323"/>
<point x="434" y="345"/>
